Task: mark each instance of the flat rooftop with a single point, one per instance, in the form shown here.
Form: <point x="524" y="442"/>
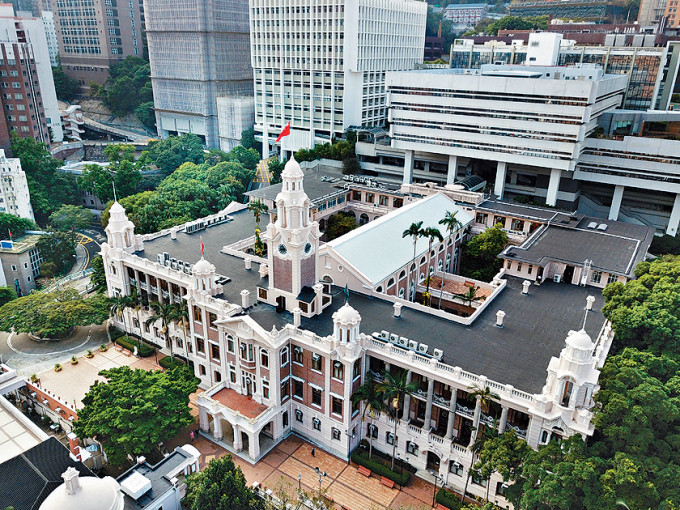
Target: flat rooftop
<point x="241" y="403"/>
<point x="316" y="186"/>
<point x="517" y="210"/>
<point x="573" y="240"/>
<point x="17" y="433"/>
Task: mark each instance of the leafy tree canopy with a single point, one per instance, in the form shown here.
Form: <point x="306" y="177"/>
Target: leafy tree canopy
<point x="59" y="248"/>
<point x="339" y="224"/>
<point x="134" y="410"/>
<point x="98" y="277"/>
<point x="480" y="254"/>
<point x="220" y="486"/>
<point x="49" y="188"/>
<point x="18" y="226"/>
<point x="128" y="86"/>
<point x="248" y="141"/>
<point x="7" y="294"/>
<point x="645" y="313"/>
<point x="146" y="114"/>
<point x="52" y="314"/>
<point x="170" y="153"/>
<point x="69" y="218"/>
<point x="66" y="87"/>
<point x="510" y="23"/>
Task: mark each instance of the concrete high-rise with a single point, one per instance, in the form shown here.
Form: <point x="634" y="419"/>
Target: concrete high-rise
<point x="321" y="65"/>
<point x="199" y="50"/>
<point x="95" y="34"/>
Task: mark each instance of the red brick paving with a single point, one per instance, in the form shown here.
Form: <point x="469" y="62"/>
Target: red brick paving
<point x="241" y="403"/>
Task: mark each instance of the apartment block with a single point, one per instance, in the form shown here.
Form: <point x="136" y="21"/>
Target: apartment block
<point x="95" y="34"/>
<point x="199" y="50"/>
<point x="321" y="66"/>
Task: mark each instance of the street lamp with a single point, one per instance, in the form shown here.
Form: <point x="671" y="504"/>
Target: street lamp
<point x="350" y="437"/>
<point x="437" y="477"/>
<point x="300" y="482"/>
<point x="322" y="475"/>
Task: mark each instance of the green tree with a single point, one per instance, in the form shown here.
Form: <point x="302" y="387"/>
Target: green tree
<point x="128" y="86"/>
<point x="97" y="180"/>
<point x="258" y="208"/>
<point x="431" y="233"/>
<point x="415" y="231"/>
<point x="275" y="168"/>
<point x="469" y="296"/>
<point x="52" y="314"/>
<point x="249" y="158"/>
<point x="146" y="114"/>
<point x="7" y="294"/>
<point x="119" y="304"/>
<point x="480" y="254"/>
<point x="339" y="224"/>
<point x="18" y="226"/>
<point x="69" y="218"/>
<point x="59" y="248"/>
<point x="126" y="178"/>
<point x="248" y="141"/>
<point x="98" y="276"/>
<point x="66" y="87"/>
<point x="134" y="410"/>
<point x="49" y="188"/>
<point x="220" y="486"/>
<point x="645" y="312"/>
<point x="166" y="314"/>
<point x="170" y="153"/>
<point x="394" y="389"/>
<point x="350" y="166"/>
<point x="374" y="404"/>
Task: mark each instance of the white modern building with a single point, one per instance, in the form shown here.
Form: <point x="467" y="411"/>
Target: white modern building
<point x="15" y="197"/>
<point x="466" y="15"/>
<point x="234" y="115"/>
<point x="322" y="66"/>
<point x="32" y="31"/>
<point x="280" y="348"/>
<point x="198" y="50"/>
<point x="47" y="18"/>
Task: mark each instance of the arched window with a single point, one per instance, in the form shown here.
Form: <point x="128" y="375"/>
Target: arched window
<point x="390" y="282"/>
<point x="422" y="261"/>
<point x="284" y="356"/>
<point x="440" y="265"/>
<point x="401" y="292"/>
<point x="402" y="275"/>
<point x="567" y="389"/>
<point x="264" y="358"/>
<point x="422" y="276"/>
<point x="379" y="288"/>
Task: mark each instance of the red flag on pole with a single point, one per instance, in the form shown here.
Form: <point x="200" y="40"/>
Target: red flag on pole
<point x="202" y="247"/>
<point x="285" y="132"/>
<point x="10" y="233"/>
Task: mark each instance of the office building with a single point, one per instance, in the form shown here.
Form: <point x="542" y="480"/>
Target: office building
<point x="466" y="15"/>
<point x="199" y="50"/>
<point x="651" y="12"/>
<point x="280" y="348"/>
<point x="324" y="69"/>
<point x="47" y="18"/>
<point x="95" y="34"/>
<point x="15" y="197"/>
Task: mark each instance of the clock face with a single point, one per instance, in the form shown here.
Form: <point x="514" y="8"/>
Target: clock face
<point x="308" y="247"/>
<point x="282" y="249"/>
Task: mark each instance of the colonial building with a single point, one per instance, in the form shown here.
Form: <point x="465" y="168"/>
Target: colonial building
<point x="288" y="358"/>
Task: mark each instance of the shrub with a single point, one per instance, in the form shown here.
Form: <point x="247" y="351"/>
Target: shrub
<point x="89" y="354"/>
<point x="143" y="350"/>
<point x="57" y="367"/>
<point x="361" y="457"/>
<point x="74" y="360"/>
<point x="103" y="348"/>
<point x="448" y="499"/>
<point x="665" y="244"/>
<point x="169" y="362"/>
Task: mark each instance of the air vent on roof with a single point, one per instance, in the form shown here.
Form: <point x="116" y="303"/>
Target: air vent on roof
<point x="602" y="226"/>
<point x="592" y="224"/>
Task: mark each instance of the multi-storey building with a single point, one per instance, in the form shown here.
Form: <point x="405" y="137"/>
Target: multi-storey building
<point x="20" y="260"/>
<point x="199" y="50"/>
<point x="15" y="197"/>
<point x="651" y="12"/>
<point x="281" y="348"/>
<point x="47" y="18"/>
<point x="466" y="15"/>
<point x="324" y="68"/>
<point x="95" y="34"/>
<point x="28" y="97"/>
<point x="570" y="9"/>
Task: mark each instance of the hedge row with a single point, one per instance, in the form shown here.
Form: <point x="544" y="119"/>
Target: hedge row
<point x="169" y="362"/>
<point x="143" y="350"/>
<point x="448" y="499"/>
<point x="361" y="457"/>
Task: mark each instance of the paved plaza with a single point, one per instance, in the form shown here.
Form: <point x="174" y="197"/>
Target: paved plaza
<point x="293" y="458"/>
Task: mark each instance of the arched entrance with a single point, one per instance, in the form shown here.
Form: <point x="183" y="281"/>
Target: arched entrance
<point x="433" y="462"/>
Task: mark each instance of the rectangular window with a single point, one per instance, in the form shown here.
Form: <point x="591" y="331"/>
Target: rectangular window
<point x="596" y="276"/>
<point x="336" y="434"/>
<point x="212" y="318"/>
<point x="456" y="468"/>
<point x="338" y="370"/>
<point x="337" y="405"/>
<point x="390" y="439"/>
<point x="264" y="358"/>
<point x="232" y="373"/>
<point x="316" y="422"/>
<point x="316" y="397"/>
<point x="356" y="370"/>
<point x="316" y="362"/>
<point x="284" y="356"/>
<point x="200" y="345"/>
<point x="230" y="344"/>
<point x="612" y="278"/>
<point x="265" y="389"/>
<point x="201" y="369"/>
<point x="215" y="352"/>
<point x="198" y="316"/>
<point x="297" y="355"/>
<point x="519" y="266"/>
<point x="299" y="416"/>
<point x="298" y="388"/>
<point x="284" y="390"/>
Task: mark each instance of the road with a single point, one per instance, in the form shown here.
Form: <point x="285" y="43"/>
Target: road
<point x="89" y="244"/>
<point x="30" y="357"/>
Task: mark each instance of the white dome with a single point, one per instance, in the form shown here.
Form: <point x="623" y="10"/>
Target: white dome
<point x="292" y="170"/>
<point x="347" y="315"/>
<point x="203" y="267"/>
<point x="580" y="340"/>
<point x="90" y="493"/>
<point x="116" y="208"/>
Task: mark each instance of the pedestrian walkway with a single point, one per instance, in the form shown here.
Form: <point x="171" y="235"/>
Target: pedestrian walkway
<point x="291" y="464"/>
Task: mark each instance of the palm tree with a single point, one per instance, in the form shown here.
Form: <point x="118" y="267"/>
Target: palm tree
<point x="451" y="223"/>
<point x="258" y="208"/>
<point x="485" y="396"/>
<point x="373" y="405"/>
<point x="394" y="388"/>
<point x="138" y="303"/>
<point x="431" y="233"/>
<point x="182" y="319"/>
<point x="118" y="305"/>
<point x="470" y="296"/>
<point x="415" y="231"/>
<point x="164" y="312"/>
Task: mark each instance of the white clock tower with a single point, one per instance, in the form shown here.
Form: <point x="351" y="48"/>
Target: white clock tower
<point x="292" y="246"/>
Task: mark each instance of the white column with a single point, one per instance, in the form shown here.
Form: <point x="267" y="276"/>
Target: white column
<point x="407" y="399"/>
<point x="428" y="404"/>
<point x="499" y="187"/>
<point x="408" y="167"/>
<point x="675" y="217"/>
<point x="475" y="421"/>
<point x="452" y="414"/>
<point x="503" y="421"/>
<point x="238" y="440"/>
<point x="203" y="420"/>
<point x="217" y="427"/>
<point x="253" y="446"/>
<point x="616" y="203"/>
<point x="453" y="166"/>
<point x="553" y="186"/>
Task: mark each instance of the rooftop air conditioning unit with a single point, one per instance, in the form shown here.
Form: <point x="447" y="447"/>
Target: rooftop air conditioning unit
<point x="557" y="278"/>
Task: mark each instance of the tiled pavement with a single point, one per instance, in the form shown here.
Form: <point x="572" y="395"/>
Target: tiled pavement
<point x="293" y="457"/>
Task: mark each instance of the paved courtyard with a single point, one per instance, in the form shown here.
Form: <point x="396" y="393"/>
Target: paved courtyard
<point x="293" y="457"/>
